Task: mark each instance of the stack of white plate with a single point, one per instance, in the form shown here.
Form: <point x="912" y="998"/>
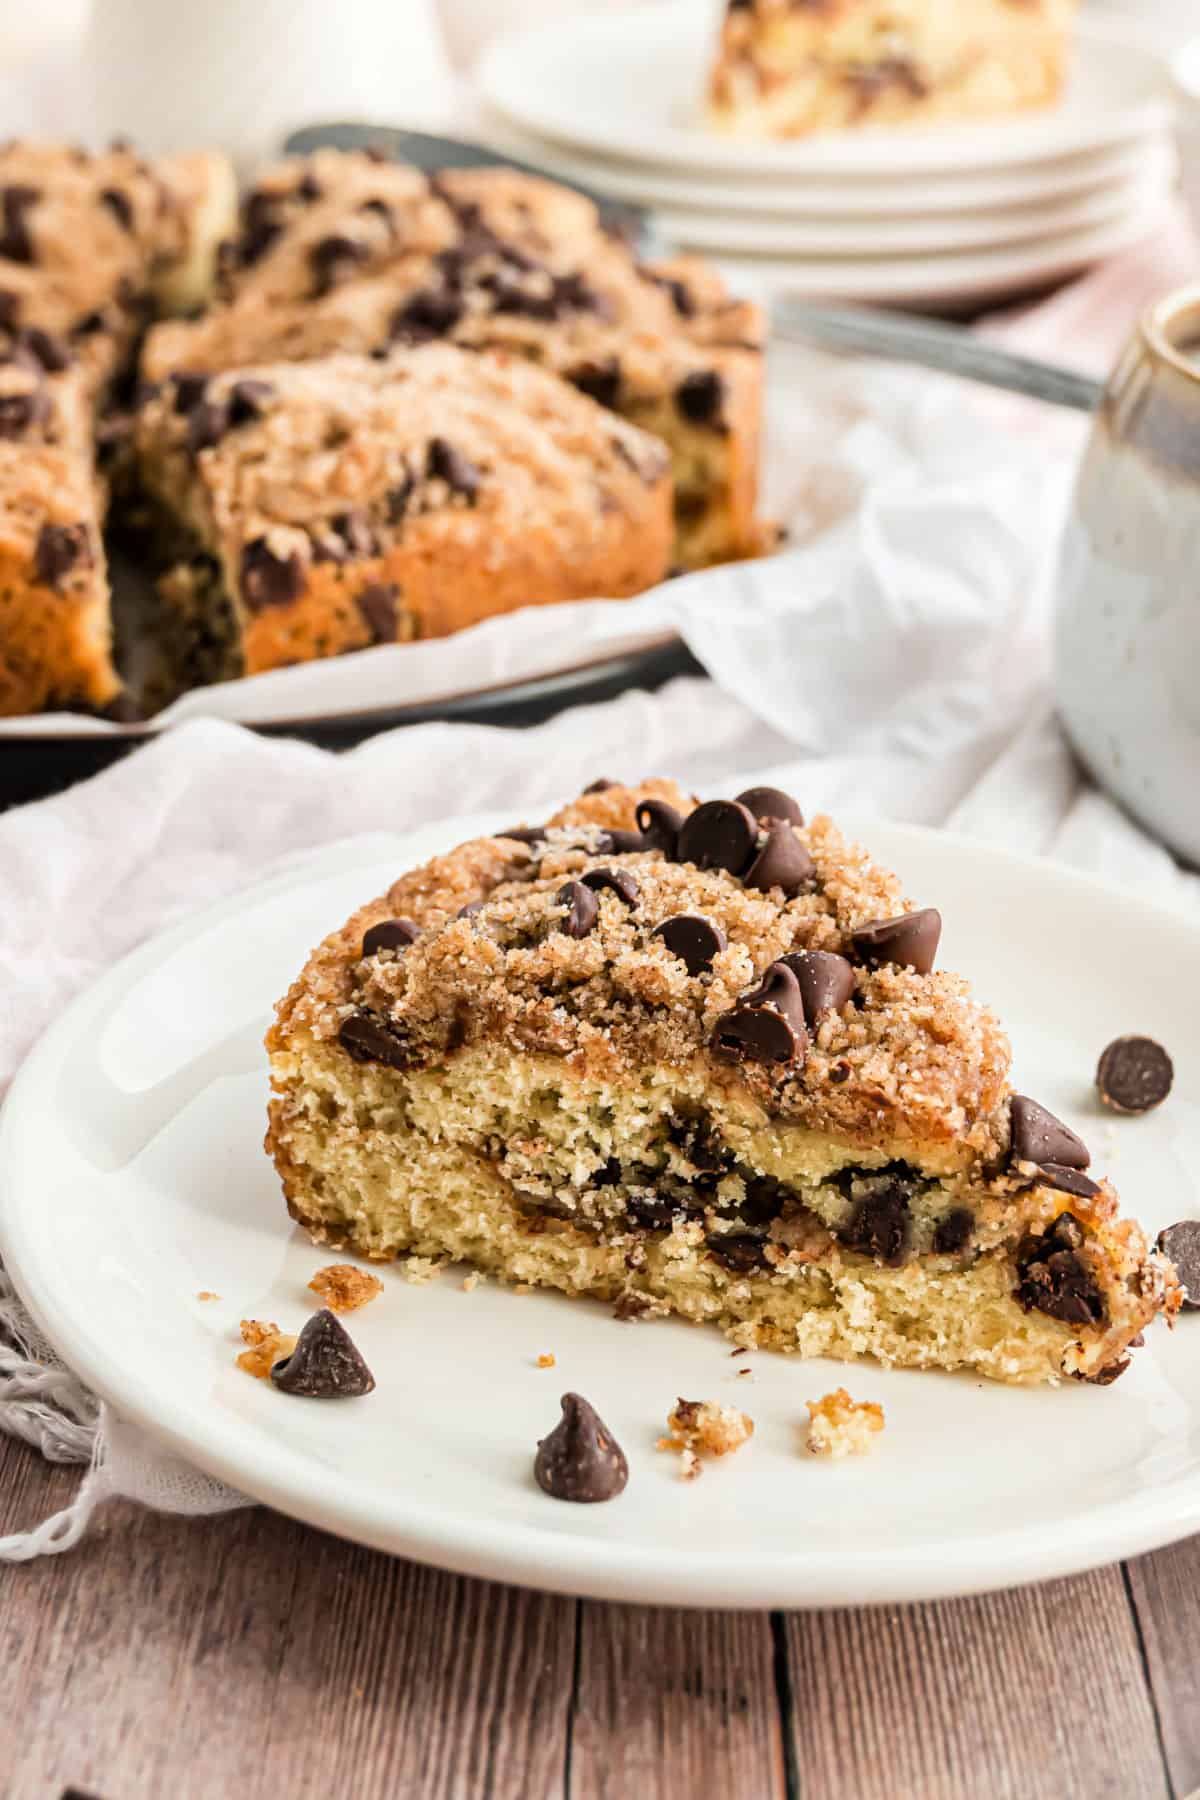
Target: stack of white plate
<point x="956" y="215"/>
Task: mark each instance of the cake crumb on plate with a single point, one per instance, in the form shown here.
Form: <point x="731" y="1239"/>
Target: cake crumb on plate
<point x="839" y="1426"/>
<point x="701" y="1428"/>
<point x="266" y="1345"/>
<point x="207" y="1294"/>
<point x="545" y="1360"/>
<point x="343" y="1288"/>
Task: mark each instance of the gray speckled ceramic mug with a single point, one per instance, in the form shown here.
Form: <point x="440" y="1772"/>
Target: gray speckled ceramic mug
<point x="1128" y="631"/>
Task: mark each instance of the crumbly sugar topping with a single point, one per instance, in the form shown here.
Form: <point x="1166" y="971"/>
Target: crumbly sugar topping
<point x="911" y="1052"/>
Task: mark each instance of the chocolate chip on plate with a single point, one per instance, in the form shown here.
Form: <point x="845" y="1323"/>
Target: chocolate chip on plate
<point x="720" y="834"/>
<point x="377" y="605"/>
<point x="695" y="941"/>
<point x="1134" y="1075"/>
<point x="619" y="881"/>
<point x="1038" y="1137"/>
<point x="581" y="1460"/>
<point x="909" y="942"/>
<point x="767" y="803"/>
<point x="367" y="1039"/>
<point x="766" y="1025"/>
<point x="58" y="550"/>
<point x="326" y="1363"/>
<point x="826" y="982"/>
<point x="268" y="579"/>
<point x="1181" y="1243"/>
<point x="660" y="826"/>
<point x="782" y="862"/>
<point x="389" y="934"/>
<point x="583" y="909"/>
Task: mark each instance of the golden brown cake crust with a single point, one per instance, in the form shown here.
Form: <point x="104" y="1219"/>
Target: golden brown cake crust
<point x="355" y="501"/>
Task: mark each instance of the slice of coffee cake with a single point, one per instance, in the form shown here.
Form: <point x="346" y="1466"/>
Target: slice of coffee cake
<point x="788" y="67"/>
<point x="697" y="1059"/>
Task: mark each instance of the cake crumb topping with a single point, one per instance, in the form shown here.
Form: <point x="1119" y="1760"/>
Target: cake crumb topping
<point x="839" y="1426"/>
<point x="344" y="1288"/>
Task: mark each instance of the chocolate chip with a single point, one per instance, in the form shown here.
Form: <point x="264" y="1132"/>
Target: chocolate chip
<point x="601" y="382"/>
<point x="1056" y="1281"/>
<point x="18" y="412"/>
<point x="740" y="1251"/>
<point x="618" y="881"/>
<point x="619" y="842"/>
<point x="1181" y="1243"/>
<point x="59" y="549"/>
<point x="190" y="388"/>
<point x="1038" y="1137"/>
<point x="826" y="982"/>
<point x="207" y="424"/>
<point x="119" y="205"/>
<point x="397" y="498"/>
<point x="389" y="934"/>
<point x="783" y="862"/>
<point x="766" y="1025"/>
<point x="768" y="803"/>
<point x="909" y="942"/>
<point x="681" y="294"/>
<point x="10" y="309"/>
<point x="721" y="834"/>
<point x="1134" y="1075"/>
<point x="524" y="834"/>
<point x="377" y="604"/>
<point x="583" y="909"/>
<point x="368" y="1040"/>
<point x="268" y="579"/>
<point x="248" y="400"/>
<point x="308" y="188"/>
<point x="326" y="1363"/>
<point x="600" y="786"/>
<point x="581" y="1460"/>
<point x="470" y="909"/>
<point x="879" y="1224"/>
<point x="16" y="245"/>
<point x="354" y="534"/>
<point x="331" y="259"/>
<point x="695" y="941"/>
<point x="447" y="464"/>
<point x="1069" y="1181"/>
<point x="52" y="353"/>
<point x="700" y="397"/>
<point x="660" y="826"/>
<point x="953" y="1232"/>
<point x="428" y="314"/>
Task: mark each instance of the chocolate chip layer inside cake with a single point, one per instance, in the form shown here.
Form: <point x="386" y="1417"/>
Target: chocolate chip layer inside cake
<point x="787" y="67"/>
<point x="299" y="510"/>
<point x="698" y="1059"/>
<point x="344" y="251"/>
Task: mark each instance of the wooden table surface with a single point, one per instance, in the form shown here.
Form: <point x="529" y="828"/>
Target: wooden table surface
<point x="246" y="1656"/>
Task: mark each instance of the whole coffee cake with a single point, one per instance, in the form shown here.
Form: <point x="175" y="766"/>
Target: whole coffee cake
<point x="344" y="251"/>
<point x="698" y="1059"/>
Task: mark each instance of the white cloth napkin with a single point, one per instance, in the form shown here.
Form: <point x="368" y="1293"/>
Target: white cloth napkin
<point x="896" y="661"/>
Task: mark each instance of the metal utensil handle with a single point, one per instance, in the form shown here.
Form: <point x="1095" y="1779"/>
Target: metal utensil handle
<point x="932" y="344"/>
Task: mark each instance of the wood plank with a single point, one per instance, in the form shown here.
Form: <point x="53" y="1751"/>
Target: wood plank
<point x="1165" y="1589"/>
<point x="675" y="1704"/>
<point x="246" y="1654"/>
<point x="1037" y="1694"/>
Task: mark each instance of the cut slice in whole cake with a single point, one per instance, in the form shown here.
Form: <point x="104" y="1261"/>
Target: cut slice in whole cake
<point x="697" y="1059"/>
<point x="788" y="67"/>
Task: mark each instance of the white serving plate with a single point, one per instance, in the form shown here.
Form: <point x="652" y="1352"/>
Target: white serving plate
<point x="132" y="1178"/>
<point x="629" y="84"/>
<point x="733" y="233"/>
<point x="879" y="194"/>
